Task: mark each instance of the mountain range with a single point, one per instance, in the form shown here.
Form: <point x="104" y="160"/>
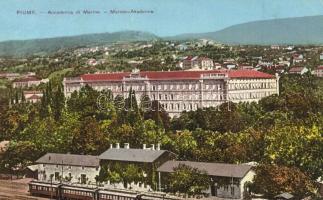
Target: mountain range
<point x="294" y="31"/>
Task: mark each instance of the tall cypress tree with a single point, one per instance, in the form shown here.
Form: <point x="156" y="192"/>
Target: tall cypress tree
<point x="16" y="97"/>
<point x="132" y="109"/>
<point x="57" y="102"/>
<point x="23" y="99"/>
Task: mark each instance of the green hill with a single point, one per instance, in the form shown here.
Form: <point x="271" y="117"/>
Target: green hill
<point x="297" y="31"/>
<point x="39" y="46"/>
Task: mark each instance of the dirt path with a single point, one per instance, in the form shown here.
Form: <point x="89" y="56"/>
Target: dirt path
<point x="16" y="190"/>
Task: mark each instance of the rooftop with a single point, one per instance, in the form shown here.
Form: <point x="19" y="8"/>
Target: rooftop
<point x="27" y="79"/>
<point x="285" y="195"/>
<point x="69" y="159"/>
<point x="132" y="155"/>
<point x="34" y="96"/>
<point x="296" y="69"/>
<point x="175" y="75"/>
<point x="212" y="169"/>
<point x="33" y="92"/>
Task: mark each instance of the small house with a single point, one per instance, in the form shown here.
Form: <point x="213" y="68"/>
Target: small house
<point x="72" y="168"/>
<point x="298" y="70"/>
<point x="229" y="181"/>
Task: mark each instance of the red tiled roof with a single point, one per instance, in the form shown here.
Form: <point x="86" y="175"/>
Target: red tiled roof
<point x="177" y="75"/>
<point x="320" y="67"/>
<point x="189" y="58"/>
<point x="296" y="69"/>
<point x="248" y="74"/>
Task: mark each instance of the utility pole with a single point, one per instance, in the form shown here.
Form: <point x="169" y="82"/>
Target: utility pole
<point x="51" y="186"/>
<point x="62" y="172"/>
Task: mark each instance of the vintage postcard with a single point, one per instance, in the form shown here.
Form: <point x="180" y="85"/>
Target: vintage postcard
<point x="161" y="99"/>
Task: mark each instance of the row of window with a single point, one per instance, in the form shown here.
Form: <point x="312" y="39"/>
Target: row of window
<point x="179" y="106"/>
<point x="69" y="167"/>
<point x="185" y="97"/>
<point x="246" y="86"/>
<point x="180" y="87"/>
<point x="42" y="188"/>
<point x="116" y="88"/>
<point x="114" y="197"/>
<point x="77" y="192"/>
<point x="253" y="95"/>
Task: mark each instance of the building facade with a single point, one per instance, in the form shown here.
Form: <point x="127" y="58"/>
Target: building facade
<point x="229" y="181"/>
<point x="318" y="71"/>
<point x="71" y="168"/>
<point x="179" y="91"/>
<point x="298" y="70"/>
<point x="33" y="96"/>
<point x="28" y="82"/>
<point x="117" y="160"/>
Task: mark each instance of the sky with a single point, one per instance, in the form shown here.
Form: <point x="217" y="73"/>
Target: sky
<point x="169" y="17"/>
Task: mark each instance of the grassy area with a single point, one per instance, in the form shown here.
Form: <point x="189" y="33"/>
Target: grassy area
<point x="59" y="73"/>
<point x="3" y="83"/>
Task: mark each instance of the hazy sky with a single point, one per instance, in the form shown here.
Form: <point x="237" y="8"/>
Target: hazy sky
<point x="170" y="17"/>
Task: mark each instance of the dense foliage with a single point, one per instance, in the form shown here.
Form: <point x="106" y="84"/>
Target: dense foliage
<point x="188" y="180"/>
<point x="280" y="132"/>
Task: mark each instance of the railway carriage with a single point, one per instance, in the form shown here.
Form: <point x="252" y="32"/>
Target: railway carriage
<point x="77" y="193"/>
<point x="115" y="195"/>
<point x="72" y="192"/>
<point x="44" y="189"/>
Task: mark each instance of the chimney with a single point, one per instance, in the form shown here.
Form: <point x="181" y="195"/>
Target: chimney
<point x="144" y="146"/>
<point x="126" y="145"/>
<point x="152" y="147"/>
<point x="158" y="147"/>
<point x="111" y="146"/>
<point x="118" y="146"/>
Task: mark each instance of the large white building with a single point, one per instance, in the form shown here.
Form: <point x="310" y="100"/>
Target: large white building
<point x="29" y="81"/>
<point x="182" y="90"/>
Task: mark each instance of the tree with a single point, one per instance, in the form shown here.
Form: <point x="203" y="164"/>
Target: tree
<point x="132" y="113"/>
<point x="272" y="180"/>
<point x="297" y="146"/>
<point x="88" y="138"/>
<point x="85" y="103"/>
<point x="132" y="173"/>
<point x="58" y="102"/>
<point x="188" y="180"/>
<point x="185" y="144"/>
<point x="18" y="156"/>
<point x="158" y="114"/>
<point x="153" y="134"/>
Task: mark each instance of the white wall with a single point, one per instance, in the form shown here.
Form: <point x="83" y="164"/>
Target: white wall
<point x="225" y="191"/>
<point x="76" y="172"/>
<point x="198" y="93"/>
<point x="248" y="178"/>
